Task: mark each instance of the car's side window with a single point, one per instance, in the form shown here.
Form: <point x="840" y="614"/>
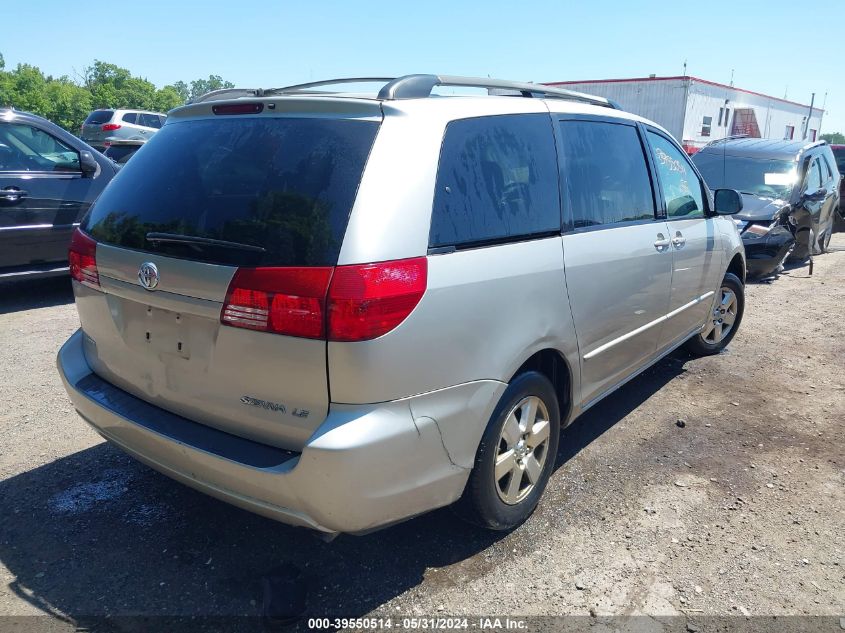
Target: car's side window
<point x="827" y="172"/>
<point x="682" y="189"/>
<point x="497" y="180"/>
<point x="813" y="181"/>
<point x="130" y="117"/>
<point x="150" y="120"/>
<point x="605" y="177"/>
<point x="27" y="148"/>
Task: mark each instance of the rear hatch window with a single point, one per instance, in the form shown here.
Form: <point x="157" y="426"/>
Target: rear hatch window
<point x="99" y="116"/>
<point x="254" y="191"/>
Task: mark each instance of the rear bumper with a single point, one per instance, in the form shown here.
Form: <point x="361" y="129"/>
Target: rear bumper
<point x="764" y="254"/>
<point x="365" y="467"/>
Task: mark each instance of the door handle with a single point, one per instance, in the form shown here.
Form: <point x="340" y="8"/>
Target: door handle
<point x="13" y="194"/>
<point x="661" y="242"/>
<point x="679" y="240"/>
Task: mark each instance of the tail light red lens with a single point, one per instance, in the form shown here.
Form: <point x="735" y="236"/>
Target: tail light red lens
<point x="368" y="300"/>
<point x="108" y="127"/>
<point x="346" y="303"/>
<point x="82" y="257"/>
<point x="282" y="300"/>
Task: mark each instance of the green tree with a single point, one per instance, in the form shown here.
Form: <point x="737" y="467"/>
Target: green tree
<point x="183" y="89"/>
<point x="68" y="103"/>
<point x="835" y="138"/>
<point x="167" y="98"/>
<point x="103" y="85"/>
<point x="27" y="89"/>
<point x="214" y="82"/>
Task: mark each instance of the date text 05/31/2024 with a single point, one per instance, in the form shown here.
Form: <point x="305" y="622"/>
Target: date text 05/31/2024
<point x="420" y="623"/>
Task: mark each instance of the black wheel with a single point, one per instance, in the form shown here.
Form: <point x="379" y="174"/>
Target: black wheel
<point x="723" y="320"/>
<point x="516" y="455"/>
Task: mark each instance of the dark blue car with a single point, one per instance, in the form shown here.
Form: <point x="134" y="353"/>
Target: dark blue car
<point x="48" y="179"/>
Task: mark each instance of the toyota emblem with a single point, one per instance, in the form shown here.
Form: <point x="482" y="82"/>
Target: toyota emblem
<point x="148" y="275"/>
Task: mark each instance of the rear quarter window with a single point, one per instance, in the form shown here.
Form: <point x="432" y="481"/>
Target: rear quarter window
<point x="497" y="180"/>
<point x="279" y="189"/>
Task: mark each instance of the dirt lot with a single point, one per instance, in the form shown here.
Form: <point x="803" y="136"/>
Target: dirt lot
<point x="739" y="512"/>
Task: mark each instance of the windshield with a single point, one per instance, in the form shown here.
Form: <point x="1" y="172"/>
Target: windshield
<point x="280" y="188"/>
<point x="759" y="177"/>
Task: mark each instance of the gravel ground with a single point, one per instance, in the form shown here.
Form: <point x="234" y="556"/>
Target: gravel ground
<point x="740" y="511"/>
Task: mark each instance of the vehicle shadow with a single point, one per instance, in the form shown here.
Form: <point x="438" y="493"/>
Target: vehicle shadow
<point x="17" y="296"/>
<point x="97" y="534"/>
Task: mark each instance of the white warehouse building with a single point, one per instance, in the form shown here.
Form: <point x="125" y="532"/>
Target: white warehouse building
<point x="697" y="111"/>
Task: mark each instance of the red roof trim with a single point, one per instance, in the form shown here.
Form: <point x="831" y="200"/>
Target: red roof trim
<point x="704" y="81"/>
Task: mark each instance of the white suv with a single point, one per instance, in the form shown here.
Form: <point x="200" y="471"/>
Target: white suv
<point x="341" y="311"/>
<point x="102" y="126"/>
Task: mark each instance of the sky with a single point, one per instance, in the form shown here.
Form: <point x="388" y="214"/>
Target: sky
<point x="777" y="47"/>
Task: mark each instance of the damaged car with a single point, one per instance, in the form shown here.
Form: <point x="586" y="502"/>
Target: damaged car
<point x="790" y="193"/>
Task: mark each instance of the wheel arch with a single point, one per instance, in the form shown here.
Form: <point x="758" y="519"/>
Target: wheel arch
<point x="553" y="365"/>
<point x="737" y="266"/>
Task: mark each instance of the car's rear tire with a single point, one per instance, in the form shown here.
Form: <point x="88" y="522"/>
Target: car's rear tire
<point x="516" y="456"/>
<point x="723" y="320"/>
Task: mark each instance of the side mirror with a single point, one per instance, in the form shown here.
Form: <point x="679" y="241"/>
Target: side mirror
<point x="817" y="195"/>
<point x="88" y="164"/>
<point x="728" y="201"/>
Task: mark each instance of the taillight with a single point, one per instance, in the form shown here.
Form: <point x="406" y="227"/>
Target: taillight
<point x="82" y="258"/>
<point x="282" y="300"/>
<point x="368" y="300"/>
<point x="108" y="127"/>
<point x="346" y="303"/>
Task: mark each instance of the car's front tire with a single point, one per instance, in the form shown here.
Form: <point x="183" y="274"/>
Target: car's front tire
<point x="723" y="320"/>
<point x="516" y="456"/>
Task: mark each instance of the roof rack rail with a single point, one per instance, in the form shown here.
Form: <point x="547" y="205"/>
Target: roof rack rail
<point x="420" y="87"/>
<point x="306" y="87"/>
<point x="229" y="93"/>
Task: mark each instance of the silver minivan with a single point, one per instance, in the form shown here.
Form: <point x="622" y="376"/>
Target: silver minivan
<point x="102" y="126"/>
<point x="343" y="310"/>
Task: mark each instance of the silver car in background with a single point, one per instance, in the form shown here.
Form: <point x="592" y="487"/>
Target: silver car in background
<point x="101" y="126"/>
<point x="342" y="311"/>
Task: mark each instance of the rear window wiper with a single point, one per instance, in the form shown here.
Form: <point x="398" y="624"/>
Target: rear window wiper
<point x="174" y="238"/>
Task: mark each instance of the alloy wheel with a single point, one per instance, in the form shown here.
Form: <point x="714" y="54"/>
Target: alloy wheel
<point x="523" y="450"/>
<point x="722" y="318"/>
